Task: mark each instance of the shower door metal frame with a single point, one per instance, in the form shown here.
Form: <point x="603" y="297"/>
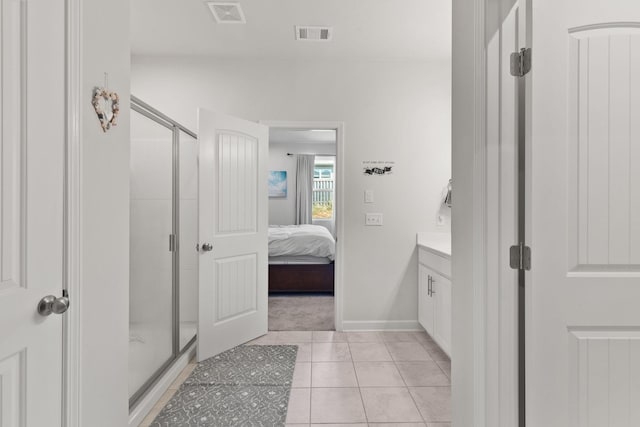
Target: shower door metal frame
<point x="151" y="113"/>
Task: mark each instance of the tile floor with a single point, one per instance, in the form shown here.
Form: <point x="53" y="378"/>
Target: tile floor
<point x="360" y="379"/>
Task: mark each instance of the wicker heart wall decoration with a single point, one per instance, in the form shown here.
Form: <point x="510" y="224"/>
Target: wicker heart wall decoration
<point x="107" y="106"/>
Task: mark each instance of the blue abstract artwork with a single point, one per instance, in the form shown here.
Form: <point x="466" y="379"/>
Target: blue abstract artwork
<point x="278" y="184"/>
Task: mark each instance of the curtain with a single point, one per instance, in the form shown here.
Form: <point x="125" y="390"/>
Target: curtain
<point x="304" y="188"/>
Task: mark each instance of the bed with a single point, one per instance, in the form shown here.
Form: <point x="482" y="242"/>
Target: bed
<point x="301" y="259"/>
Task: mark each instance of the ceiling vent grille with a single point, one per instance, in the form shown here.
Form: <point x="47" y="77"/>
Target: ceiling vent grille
<point x="226" y="12"/>
<point x="319" y="34"/>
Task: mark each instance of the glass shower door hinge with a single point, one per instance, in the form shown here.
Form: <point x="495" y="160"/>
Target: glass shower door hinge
<point x="520" y="257"/>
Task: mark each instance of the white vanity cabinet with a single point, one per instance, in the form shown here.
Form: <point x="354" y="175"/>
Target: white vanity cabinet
<point x="434" y="287"/>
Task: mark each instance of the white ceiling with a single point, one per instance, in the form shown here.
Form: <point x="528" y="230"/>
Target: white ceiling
<point x="301" y="136"/>
<point x="363" y="29"/>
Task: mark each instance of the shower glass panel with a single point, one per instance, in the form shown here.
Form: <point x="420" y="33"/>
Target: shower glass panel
<point x="188" y="237"/>
<point x="163" y="234"/>
<point x="151" y="261"/>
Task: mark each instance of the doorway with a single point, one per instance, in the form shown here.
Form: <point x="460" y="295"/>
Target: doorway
<point x="304" y="221"/>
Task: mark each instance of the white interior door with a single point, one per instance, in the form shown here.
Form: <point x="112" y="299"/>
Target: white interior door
<point x="32" y="123"/>
<point x="233" y="219"/>
<point x="583" y="334"/>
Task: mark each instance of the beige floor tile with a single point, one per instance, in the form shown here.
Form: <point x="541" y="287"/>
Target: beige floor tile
<point x="438" y="424"/>
<point x="430" y="345"/>
<point x="378" y="374"/>
<point x="340" y="425"/>
<point x="299" y="409"/>
<point x="182" y="376"/>
<point x="423" y="337"/>
<point x="397" y="424"/>
<point x="445" y="366"/>
<point x="369" y="352"/>
<point x="287" y="337"/>
<point x="407" y="351"/>
<point x="267" y="339"/>
<point x="302" y="375"/>
<point x="304" y="352"/>
<point x="329" y="336"/>
<point x="333" y="374"/>
<point x="398" y="336"/>
<point x="364" y="337"/>
<point x="389" y="404"/>
<point x="438" y="355"/>
<point x="336" y="405"/>
<point x="330" y="352"/>
<point x="146" y="422"/>
<point x="434" y="403"/>
<point x="425" y="373"/>
<point x="296" y="425"/>
<point x="166" y="396"/>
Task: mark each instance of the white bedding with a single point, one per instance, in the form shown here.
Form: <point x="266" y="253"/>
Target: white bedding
<point x="306" y="239"/>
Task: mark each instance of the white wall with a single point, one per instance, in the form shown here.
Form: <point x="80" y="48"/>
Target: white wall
<point x="282" y="211"/>
<point x="104" y="210"/>
<point x="395" y="111"/>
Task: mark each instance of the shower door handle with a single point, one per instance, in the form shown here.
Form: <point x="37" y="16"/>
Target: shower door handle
<point x="207" y="247"/>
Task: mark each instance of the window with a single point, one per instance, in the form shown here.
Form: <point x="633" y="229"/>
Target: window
<point x="323" y="189"/>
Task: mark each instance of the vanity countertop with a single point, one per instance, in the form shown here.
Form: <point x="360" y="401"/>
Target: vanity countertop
<point x="439" y="243"/>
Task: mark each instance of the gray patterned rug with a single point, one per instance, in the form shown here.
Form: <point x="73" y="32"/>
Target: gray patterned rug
<point x="246" y="386"/>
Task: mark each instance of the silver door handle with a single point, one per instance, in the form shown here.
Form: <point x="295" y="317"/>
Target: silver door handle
<point x="207" y="247"/>
<point x="51" y="304"/>
<point x="429" y="285"/>
<point x="432" y="282"/>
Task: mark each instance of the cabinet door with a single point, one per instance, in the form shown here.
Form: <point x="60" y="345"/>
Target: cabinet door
<point x="425" y="302"/>
<point x="442" y="318"/>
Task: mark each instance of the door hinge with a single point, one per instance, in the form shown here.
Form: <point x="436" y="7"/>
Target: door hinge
<point x="521" y="62"/>
<point x="520" y="257"/>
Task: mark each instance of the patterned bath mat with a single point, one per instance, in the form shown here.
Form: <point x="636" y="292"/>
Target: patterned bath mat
<point x="246" y="386"/>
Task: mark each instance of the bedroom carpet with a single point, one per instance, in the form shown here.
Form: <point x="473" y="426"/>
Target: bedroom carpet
<point x="301" y="313"/>
<point x="245" y="386"/>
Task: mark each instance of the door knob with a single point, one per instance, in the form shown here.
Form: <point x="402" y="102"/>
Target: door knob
<point x="51" y="304"/>
<point x="206" y="247"/>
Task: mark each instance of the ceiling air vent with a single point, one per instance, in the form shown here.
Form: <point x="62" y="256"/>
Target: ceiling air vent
<point x="313" y="33"/>
<point x="226" y="12"/>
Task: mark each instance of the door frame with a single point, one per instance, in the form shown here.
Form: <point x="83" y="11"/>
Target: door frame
<point x="476" y="341"/>
<point x="72" y="202"/>
<point x="339" y="198"/>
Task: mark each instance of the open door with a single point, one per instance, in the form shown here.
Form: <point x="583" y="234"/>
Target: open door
<point x="32" y="177"/>
<point x="583" y="289"/>
<point x="233" y="221"/>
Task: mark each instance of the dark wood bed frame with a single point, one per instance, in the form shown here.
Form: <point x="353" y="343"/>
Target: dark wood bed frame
<point x="301" y="278"/>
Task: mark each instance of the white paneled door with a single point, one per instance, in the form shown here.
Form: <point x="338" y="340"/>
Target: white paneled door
<point x="32" y="126"/>
<point x="583" y="317"/>
<point x="233" y="225"/>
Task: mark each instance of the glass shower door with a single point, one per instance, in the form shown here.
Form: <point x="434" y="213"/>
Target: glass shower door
<point x="151" y="337"/>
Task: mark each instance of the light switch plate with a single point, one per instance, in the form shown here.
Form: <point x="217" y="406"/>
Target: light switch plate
<point x="373" y="219"/>
<point x="368" y="196"/>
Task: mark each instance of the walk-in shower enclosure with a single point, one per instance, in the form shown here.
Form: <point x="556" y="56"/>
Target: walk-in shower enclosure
<point x="163" y="222"/>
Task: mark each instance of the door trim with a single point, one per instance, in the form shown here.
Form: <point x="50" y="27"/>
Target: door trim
<point x="339" y="197"/>
<point x="71" y="332"/>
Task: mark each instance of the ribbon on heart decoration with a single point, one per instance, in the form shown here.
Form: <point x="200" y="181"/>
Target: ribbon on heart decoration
<point x="107" y="118"/>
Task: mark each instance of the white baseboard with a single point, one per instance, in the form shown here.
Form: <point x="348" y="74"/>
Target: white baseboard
<point x="147" y="403"/>
<point x="381" y="325"/>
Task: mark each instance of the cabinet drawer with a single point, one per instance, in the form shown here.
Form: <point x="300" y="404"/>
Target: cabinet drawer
<point x="435" y="262"/>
